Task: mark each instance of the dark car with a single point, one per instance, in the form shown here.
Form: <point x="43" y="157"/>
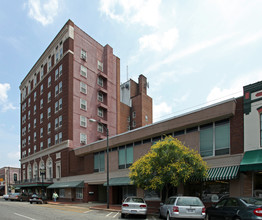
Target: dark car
<point x="236" y="208"/>
<point x="38" y="199"/>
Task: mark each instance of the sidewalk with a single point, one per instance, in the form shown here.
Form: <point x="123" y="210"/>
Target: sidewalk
<point x="90" y="205"/>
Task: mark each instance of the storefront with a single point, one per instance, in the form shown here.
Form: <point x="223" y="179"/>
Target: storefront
<point x="252" y="165"/>
<point x="68" y="191"/>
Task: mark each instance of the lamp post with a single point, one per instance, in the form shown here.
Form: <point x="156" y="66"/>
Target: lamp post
<point x="107" y="163"/>
<point x="42" y="173"/>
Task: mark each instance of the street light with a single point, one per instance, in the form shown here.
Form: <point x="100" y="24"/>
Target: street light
<point x="42" y="173"/>
<point x="107" y="162"/>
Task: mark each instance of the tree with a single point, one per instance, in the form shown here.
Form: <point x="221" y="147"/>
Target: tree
<point x="168" y="163"/>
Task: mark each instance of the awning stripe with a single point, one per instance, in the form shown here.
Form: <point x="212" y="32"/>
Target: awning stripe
<point x="222" y="173"/>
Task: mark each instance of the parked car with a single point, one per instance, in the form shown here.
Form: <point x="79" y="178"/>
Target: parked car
<point x="236" y="208"/>
<point x="182" y="207"/>
<point x="38" y="199"/>
<point x="15" y="197"/>
<point x="6" y="196"/>
<point x="134" y="206"/>
<point x="25" y="197"/>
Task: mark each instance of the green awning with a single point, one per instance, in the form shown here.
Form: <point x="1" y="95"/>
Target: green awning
<point x="32" y="185"/>
<point x="222" y="173"/>
<point x="74" y="184"/>
<point x="252" y="161"/>
<point x="119" y="181"/>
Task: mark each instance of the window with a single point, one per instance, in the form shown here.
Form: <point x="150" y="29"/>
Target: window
<point x="60" y="86"/>
<point x="100" y="96"/>
<point x="29" y="126"/>
<point x="49" y="81"/>
<point x="49" y="64"/>
<point x="83" y="71"/>
<point x="61" y="52"/>
<point x="41" y="117"/>
<point x="56" y="56"/>
<point x="29" y="138"/>
<point x="215" y="138"/>
<point x="56" y="74"/>
<point x="41" y="103"/>
<point x="41" y="145"/>
<point x="34" y="148"/>
<point x="134" y="124"/>
<point x="60" y="120"/>
<point x="49" y="127"/>
<point x="83" y="54"/>
<point x="60" y="104"/>
<point x="41" y="132"/>
<point x="49" y="142"/>
<point x="83" y="121"/>
<point x="83" y="104"/>
<point x="60" y="70"/>
<point x="100" y="81"/>
<point x="56" y="123"/>
<point x="56" y="90"/>
<point x="49" y="97"/>
<point x="83" y="138"/>
<point x="100" y="112"/>
<point x="61" y="192"/>
<point x="100" y="66"/>
<point x="41" y="89"/>
<point x="49" y="112"/>
<point x="34" y="109"/>
<point x="134" y="114"/>
<point x="60" y="136"/>
<point x="34" y="122"/>
<point x="29" y="114"/>
<point x="79" y="193"/>
<point x="125" y="156"/>
<point x="34" y="136"/>
<point x="15" y="177"/>
<point x="83" y="88"/>
<point x="35" y="94"/>
<point x="29" y="102"/>
<point x="100" y="128"/>
<point x="41" y="73"/>
<point x="99" y="161"/>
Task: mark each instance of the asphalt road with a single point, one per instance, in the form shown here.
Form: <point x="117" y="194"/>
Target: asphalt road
<point x="25" y="211"/>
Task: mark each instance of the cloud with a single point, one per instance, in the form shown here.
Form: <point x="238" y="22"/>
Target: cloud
<point x="4" y="103"/>
<point x="190" y="51"/>
<point x="43" y="11"/>
<point x="15" y="155"/>
<point x="161" y="110"/>
<point x="219" y="93"/>
<point x="143" y="12"/>
<point x="160" y="41"/>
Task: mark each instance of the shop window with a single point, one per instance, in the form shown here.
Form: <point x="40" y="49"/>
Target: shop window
<point x="79" y="193"/>
<point x="61" y="193"/>
<point x="99" y="162"/>
<point x="125" y="156"/>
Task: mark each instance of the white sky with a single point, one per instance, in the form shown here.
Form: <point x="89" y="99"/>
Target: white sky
<point x="193" y="53"/>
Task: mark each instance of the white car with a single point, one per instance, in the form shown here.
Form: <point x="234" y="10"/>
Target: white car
<point x="178" y="207"/>
<point x="134" y="206"/>
<point x="6" y="196"/>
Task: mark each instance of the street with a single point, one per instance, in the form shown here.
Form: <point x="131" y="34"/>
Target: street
<point x="24" y="210"/>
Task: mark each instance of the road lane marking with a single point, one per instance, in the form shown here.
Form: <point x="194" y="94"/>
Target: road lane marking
<point x="109" y="214"/>
<point x="24" y="216"/>
<point x="115" y="215"/>
<point x="88" y="211"/>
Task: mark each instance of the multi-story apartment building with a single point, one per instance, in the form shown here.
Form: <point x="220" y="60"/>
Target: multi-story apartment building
<point x="74" y="80"/>
<point x="8" y="177"/>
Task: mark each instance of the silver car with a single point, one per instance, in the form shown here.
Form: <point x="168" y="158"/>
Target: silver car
<point x="186" y="207"/>
<point x="134" y="206"/>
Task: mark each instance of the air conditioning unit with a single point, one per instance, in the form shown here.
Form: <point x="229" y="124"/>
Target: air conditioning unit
<point x="83" y="142"/>
<point x="83" y="57"/>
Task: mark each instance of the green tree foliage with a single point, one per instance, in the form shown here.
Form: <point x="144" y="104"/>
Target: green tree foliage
<point x="168" y="163"/>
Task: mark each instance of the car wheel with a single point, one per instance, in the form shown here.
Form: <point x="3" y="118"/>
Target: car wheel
<point x="123" y="215"/>
<point x="30" y="202"/>
<point x="237" y="218"/>
<point x="145" y="216"/>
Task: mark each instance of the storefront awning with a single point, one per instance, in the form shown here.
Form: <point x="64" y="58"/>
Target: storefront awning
<point x="119" y="181"/>
<point x="31" y="185"/>
<point x="222" y="173"/>
<point x="252" y="161"/>
<point x="74" y="184"/>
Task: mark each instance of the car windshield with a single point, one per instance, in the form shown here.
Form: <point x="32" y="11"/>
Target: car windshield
<point x="137" y="200"/>
<point x="253" y="201"/>
<point x="187" y="201"/>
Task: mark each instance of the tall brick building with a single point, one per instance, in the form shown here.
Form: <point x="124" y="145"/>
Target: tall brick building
<point x="74" y="80"/>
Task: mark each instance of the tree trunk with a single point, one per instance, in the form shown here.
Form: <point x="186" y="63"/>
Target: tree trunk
<point x="167" y="190"/>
